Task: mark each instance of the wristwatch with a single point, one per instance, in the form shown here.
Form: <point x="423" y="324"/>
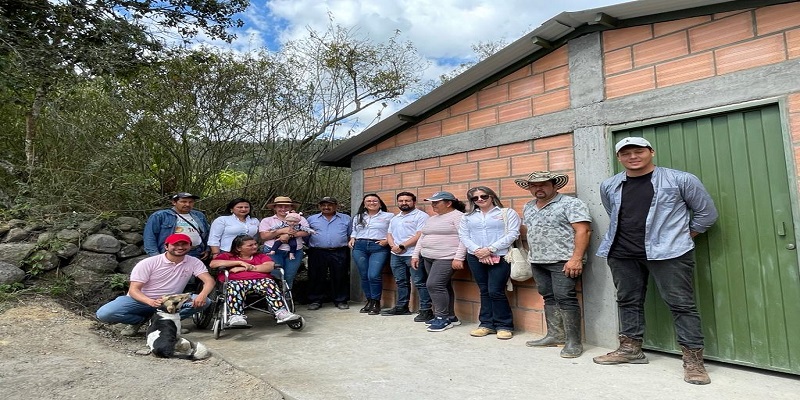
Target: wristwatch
<point x="401" y="247"/>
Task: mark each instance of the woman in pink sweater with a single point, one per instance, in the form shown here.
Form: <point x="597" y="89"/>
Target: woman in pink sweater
<point x="440" y="252"/>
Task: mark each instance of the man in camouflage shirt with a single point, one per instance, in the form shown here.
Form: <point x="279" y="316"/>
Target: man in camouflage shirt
<point x="559" y="228"/>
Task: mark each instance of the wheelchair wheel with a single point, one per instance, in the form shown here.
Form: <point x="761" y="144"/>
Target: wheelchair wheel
<point x="217" y="328"/>
<point x="297" y="325"/>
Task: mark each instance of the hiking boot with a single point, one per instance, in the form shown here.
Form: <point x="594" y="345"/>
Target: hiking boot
<point x="131" y="330"/>
<point x="283" y="316"/>
<point x="482" y="331"/>
<point x="237" y="320"/>
<point x="440" y="324"/>
<point x="694" y="371"/>
<point x="555" y="329"/>
<point x="424" y="315"/>
<point x="629" y="351"/>
<point x="376" y="307"/>
<point x="503" y="334"/>
<point x="572" y="326"/>
<point x="396" y="310"/>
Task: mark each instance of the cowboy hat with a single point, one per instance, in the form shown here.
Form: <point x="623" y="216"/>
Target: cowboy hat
<point x="559" y="180"/>
<point x="281" y="200"/>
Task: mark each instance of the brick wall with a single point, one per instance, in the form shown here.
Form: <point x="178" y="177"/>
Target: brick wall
<point x="643" y="58"/>
<point x="541" y="87"/>
<point x="495" y="167"/>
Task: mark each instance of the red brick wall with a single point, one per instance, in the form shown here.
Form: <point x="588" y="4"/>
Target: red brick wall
<point x="495" y="167"/>
<point x="643" y="58"/>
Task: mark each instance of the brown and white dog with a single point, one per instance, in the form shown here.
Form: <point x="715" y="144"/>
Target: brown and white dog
<point x="164" y="333"/>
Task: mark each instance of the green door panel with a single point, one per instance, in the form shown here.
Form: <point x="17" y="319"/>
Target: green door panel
<point x="746" y="279"/>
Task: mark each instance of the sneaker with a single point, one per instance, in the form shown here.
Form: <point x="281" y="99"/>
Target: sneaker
<point x="482" y="331"/>
<point x="430" y="321"/>
<point x="283" y="316"/>
<point x="396" y="310"/>
<point x="237" y="320"/>
<point x="131" y="330"/>
<point x="314" y="306"/>
<point x="504" y="334"/>
<point x="454" y="320"/>
<point x="343" y="306"/>
<point x="424" y="316"/>
<point x="440" y="324"/>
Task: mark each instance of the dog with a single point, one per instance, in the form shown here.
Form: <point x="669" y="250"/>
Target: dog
<point x="163" y="334"/>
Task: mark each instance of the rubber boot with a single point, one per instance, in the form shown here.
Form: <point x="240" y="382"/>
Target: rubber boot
<point x="572" y="326"/>
<point x="367" y="306"/>
<point x="694" y="371"/>
<point x="555" y="329"/>
<point x="629" y="351"/>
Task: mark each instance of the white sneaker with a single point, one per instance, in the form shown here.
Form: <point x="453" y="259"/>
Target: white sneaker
<point x="237" y="320"/>
<point x="283" y="316"/>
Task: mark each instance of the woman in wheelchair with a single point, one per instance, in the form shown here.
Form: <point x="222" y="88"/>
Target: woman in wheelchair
<point x="249" y="272"/>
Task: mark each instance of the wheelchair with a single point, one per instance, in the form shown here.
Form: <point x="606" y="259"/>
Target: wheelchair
<point x="216" y="314"/>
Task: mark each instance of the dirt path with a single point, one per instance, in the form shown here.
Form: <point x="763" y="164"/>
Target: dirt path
<point x="47" y="352"/>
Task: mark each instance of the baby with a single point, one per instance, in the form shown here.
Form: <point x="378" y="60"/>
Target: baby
<point x="292" y="220"/>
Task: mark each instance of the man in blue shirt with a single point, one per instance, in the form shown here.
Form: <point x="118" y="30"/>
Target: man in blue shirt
<point x="328" y="251"/>
<point x="180" y="218"/>
<point x="655" y="213"/>
<point x="404" y="231"/>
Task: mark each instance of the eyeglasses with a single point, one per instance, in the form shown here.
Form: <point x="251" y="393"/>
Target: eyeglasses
<point x="482" y="197"/>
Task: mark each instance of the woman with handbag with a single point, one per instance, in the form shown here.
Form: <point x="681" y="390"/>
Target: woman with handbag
<point x="488" y="231"/>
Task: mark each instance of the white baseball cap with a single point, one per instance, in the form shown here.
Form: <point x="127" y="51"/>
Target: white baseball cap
<point x="632" y="141"/>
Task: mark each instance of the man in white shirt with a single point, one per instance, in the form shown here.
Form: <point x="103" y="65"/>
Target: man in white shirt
<point x="404" y="231"/>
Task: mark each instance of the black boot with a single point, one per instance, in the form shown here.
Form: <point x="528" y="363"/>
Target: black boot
<point x="376" y="307"/>
<point x="367" y="306"/>
<point x="555" y="329"/>
<point x="572" y="325"/>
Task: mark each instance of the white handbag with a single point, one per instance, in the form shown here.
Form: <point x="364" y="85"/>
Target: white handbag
<point x="517" y="257"/>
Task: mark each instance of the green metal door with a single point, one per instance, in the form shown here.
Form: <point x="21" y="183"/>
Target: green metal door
<point x="746" y="280"/>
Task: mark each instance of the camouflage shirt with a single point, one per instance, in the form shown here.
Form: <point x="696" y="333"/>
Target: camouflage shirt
<point x="551" y="237"/>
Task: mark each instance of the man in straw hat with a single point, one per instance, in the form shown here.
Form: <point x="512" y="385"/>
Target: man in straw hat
<point x="559" y="228"/>
<point x="655" y="212"/>
<point x="276" y="235"/>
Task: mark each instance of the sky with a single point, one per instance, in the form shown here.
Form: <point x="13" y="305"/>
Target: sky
<point x="442" y="31"/>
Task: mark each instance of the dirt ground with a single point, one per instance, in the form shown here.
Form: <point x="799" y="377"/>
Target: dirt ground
<point x="48" y="352"/>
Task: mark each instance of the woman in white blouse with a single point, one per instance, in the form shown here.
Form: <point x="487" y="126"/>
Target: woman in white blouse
<point x="234" y="222"/>
<point x="371" y="248"/>
<point x="488" y="231"/>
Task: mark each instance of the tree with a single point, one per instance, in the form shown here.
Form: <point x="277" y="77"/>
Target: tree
<point x="44" y="43"/>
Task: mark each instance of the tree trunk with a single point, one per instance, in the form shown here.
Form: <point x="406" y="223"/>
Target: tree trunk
<point x="31" y="118"/>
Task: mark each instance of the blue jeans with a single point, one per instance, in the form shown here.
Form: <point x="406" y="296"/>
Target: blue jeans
<point x="491" y="279"/>
<point x="127" y="310"/>
<point x="400" y="270"/>
<point x="290" y="267"/>
<point x="370" y="258"/>
<point x="675" y="282"/>
<point x="420" y="278"/>
<point x="556" y="287"/>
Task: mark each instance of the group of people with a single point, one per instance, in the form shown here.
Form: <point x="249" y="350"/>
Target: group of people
<point x="654" y="212"/>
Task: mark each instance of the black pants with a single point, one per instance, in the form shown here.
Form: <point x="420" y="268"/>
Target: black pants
<point x="337" y="261"/>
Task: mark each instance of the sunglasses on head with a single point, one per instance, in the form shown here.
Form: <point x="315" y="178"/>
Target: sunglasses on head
<point x="482" y="197"/>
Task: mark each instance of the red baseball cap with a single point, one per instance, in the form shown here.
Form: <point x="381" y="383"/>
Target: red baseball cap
<point x="178" y="237"/>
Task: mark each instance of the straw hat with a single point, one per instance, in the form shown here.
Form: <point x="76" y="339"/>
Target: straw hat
<point x="281" y="200"/>
<point x="559" y="180"/>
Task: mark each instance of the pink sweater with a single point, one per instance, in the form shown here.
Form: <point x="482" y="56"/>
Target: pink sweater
<point x="439" y="238"/>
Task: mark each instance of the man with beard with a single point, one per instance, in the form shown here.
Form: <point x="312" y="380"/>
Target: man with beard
<point x="156" y="276"/>
<point x="559" y="228"/>
<point x="404" y="231"/>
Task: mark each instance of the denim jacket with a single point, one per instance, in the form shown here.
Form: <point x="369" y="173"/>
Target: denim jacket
<point x="162" y="223"/>
<point x="669" y="222"/>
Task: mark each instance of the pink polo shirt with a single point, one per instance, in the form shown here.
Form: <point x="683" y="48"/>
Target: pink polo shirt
<point x="161" y="276"/>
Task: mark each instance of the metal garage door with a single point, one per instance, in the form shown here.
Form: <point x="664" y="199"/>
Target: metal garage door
<point x="748" y="290"/>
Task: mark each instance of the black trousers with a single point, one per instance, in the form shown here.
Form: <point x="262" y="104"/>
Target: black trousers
<point x="320" y="263"/>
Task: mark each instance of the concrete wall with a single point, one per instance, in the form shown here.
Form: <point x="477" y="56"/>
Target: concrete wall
<point x="558" y="113"/>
